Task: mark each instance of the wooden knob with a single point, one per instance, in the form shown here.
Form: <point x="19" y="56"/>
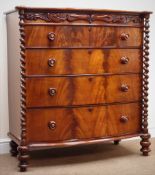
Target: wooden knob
<point x="124" y="36"/>
<point x="51" y="36"/>
<point x="51" y="62"/>
<point x="124" y="60"/>
<point x="52" y="91"/>
<point x="124" y="119"/>
<point x="124" y="87"/>
<point x="52" y="125"/>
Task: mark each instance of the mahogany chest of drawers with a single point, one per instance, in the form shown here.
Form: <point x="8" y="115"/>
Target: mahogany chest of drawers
<point x="76" y="77"/>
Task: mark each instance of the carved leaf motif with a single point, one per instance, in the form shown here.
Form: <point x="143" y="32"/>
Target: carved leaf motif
<point x="134" y="19"/>
<point x="110" y="18"/>
<point x="49" y="17"/>
<point x="62" y="17"/>
<point x="57" y="17"/>
<point x="120" y="19"/>
<point x="74" y="17"/>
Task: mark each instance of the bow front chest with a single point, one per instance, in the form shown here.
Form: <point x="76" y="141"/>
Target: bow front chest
<point x="76" y="77"/>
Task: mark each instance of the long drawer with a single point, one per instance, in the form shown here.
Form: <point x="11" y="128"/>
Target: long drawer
<point x="80" y="36"/>
<point x="62" y="91"/>
<point x="83" y="123"/>
<point x="82" y="61"/>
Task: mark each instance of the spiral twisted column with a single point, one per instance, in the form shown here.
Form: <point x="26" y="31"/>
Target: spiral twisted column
<point x="23" y="148"/>
<point x="145" y="143"/>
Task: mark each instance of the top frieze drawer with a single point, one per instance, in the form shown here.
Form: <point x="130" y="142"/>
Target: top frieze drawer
<point x="83" y="18"/>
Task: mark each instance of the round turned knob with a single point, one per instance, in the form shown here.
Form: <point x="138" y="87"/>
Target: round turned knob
<point x="52" y="91"/>
<point x="124" y="36"/>
<point x="51" y="62"/>
<point x="124" y="60"/>
<point x="51" y="36"/>
<point x="124" y="119"/>
<point x="124" y="87"/>
<point x="52" y="125"/>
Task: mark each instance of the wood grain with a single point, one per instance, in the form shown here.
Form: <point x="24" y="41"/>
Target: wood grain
<point x="69" y="36"/>
<point x="82" y="90"/>
<point x="64" y="36"/>
<point x="114" y="92"/>
<point x="72" y="61"/>
<point x="105" y="36"/>
<point x="84" y="77"/>
<point x="40" y="131"/>
<point x="116" y="127"/>
<point x="90" y="122"/>
<point x="82" y="123"/>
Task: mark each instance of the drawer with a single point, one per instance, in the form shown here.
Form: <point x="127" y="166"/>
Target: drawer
<point x="116" y="37"/>
<point x="80" y="36"/>
<point x="123" y="88"/>
<point x="62" y="91"/>
<point x="83" y="61"/>
<point x="65" y="124"/>
<point x="124" y="119"/>
<point x="56" y="36"/>
<point x="45" y="125"/>
<point x="49" y="125"/>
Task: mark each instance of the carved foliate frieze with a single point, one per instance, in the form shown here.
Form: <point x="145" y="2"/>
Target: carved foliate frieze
<point x="71" y="17"/>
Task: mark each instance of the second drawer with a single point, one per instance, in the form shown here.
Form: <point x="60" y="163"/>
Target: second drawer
<point x="63" y="91"/>
<point x="82" y="61"/>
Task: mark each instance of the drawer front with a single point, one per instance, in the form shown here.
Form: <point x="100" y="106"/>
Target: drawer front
<point x="82" y="123"/>
<point x="124" y="119"/>
<point x="123" y="88"/>
<point x="116" y="37"/>
<point x="82" y="90"/>
<point x="49" y="125"/>
<point x="56" y="36"/>
<point x="65" y="124"/>
<point x="72" y="61"/>
<point x="80" y="36"/>
<point x="66" y="91"/>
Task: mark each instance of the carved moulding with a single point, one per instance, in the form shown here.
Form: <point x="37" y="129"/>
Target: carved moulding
<point x="70" y="17"/>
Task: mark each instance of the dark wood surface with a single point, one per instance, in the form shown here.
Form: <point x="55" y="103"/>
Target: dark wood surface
<point x="132" y="124"/>
<point x="83" y="123"/>
<point x="84" y="78"/>
<point x="82" y="90"/>
<point x="83" y="61"/>
<point x="80" y="9"/>
<point x="79" y="36"/>
<point x="79" y="18"/>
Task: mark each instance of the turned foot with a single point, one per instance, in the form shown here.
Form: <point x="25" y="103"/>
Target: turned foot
<point x="13" y="148"/>
<point x="116" y="142"/>
<point x="23" y="158"/>
<point x="145" y="143"/>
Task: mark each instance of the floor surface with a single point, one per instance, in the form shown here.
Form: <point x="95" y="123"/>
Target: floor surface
<point x="102" y="159"/>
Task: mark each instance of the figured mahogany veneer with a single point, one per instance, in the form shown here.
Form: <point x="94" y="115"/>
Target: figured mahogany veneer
<point x="82" y="90"/>
<point x="77" y="36"/>
<point x="83" y="123"/>
<point x="82" y="61"/>
<point x="76" y="77"/>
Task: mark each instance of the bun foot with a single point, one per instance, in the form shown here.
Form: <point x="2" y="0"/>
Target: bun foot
<point x="13" y="148"/>
<point x="145" y="143"/>
<point x="116" y="142"/>
<point x="23" y="158"/>
<point x="23" y="167"/>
